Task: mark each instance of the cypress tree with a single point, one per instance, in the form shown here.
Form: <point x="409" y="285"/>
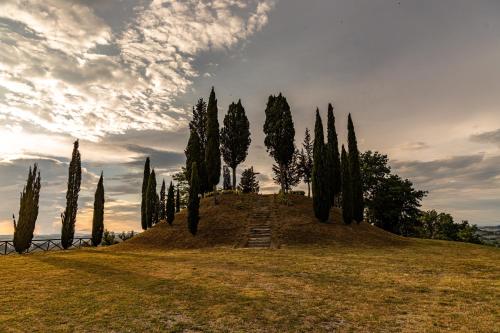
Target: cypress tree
<point x="170" y="211"/>
<point x="163" y="202"/>
<point x="193" y="153"/>
<point x="347" y="204"/>
<point x="145" y="180"/>
<point x="321" y="199"/>
<point x="226" y="176"/>
<point x="212" y="152"/>
<point x="355" y="170"/>
<point x="151" y="197"/>
<point x="178" y="200"/>
<point x="235" y="137"/>
<point x="199" y="124"/>
<point x="305" y="161"/>
<point x="28" y="211"/>
<point x="334" y="155"/>
<point x="69" y="216"/>
<point x="156" y="211"/>
<point x="98" y="218"/>
<point x="280" y="136"/>
<point x="194" y="201"/>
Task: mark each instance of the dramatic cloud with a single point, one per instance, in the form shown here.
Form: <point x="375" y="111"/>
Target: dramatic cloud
<point x="65" y="70"/>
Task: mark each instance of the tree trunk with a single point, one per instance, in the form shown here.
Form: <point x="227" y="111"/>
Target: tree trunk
<point x="283" y="187"/>
<point x="215" y="195"/>
<point x="234" y="179"/>
<point x="308" y="189"/>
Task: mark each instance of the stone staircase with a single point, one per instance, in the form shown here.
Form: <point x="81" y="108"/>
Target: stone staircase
<point x="259" y="231"/>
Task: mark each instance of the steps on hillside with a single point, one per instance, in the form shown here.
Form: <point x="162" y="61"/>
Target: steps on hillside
<point x="259" y="231"/>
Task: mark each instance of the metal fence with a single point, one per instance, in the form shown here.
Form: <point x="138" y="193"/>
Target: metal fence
<point x="43" y="245"/>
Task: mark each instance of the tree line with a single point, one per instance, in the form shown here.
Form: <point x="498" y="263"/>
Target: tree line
<point x="361" y="184"/>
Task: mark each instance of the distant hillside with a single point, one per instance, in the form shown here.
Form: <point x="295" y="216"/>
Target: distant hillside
<point x="490" y="235"/>
<point x="227" y="224"/>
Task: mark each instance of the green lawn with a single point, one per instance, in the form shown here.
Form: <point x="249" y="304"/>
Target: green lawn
<point x="422" y="286"/>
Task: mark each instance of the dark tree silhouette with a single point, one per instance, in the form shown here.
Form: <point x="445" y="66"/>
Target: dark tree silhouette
<point x="305" y="161"/>
<point x="178" y="200"/>
<point x="145" y="180"/>
<point x="335" y="178"/>
<point x="163" y="202"/>
<point x="68" y="218"/>
<point x="355" y="170"/>
<point x="280" y="134"/>
<point x="235" y="137"/>
<point x="151" y="201"/>
<point x="226" y="178"/>
<point x="170" y="211"/>
<point x="321" y="198"/>
<point x="28" y="211"/>
<point x="347" y="204"/>
<point x="199" y="124"/>
<point x="193" y="153"/>
<point x="212" y="152"/>
<point x="194" y="201"/>
<point x="249" y="182"/>
<point x="98" y="217"/>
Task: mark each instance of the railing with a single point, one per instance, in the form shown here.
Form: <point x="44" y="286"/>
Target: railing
<point x="38" y="245"/>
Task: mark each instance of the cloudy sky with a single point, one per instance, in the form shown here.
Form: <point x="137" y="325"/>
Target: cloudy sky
<point x="420" y="77"/>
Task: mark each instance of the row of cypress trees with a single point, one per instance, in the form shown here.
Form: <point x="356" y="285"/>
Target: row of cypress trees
<point x="336" y="179"/>
<point x="154" y="207"/>
<point x="29" y="203"/>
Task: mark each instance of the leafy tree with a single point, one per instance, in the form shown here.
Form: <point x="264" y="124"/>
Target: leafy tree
<point x="355" y="171"/>
<point x="151" y="201"/>
<point x="212" y="152"/>
<point x="436" y="225"/>
<point x="289" y="175"/>
<point x="305" y="161"/>
<point x="280" y="135"/>
<point x="335" y="177"/>
<point x="170" y="211"/>
<point x="392" y="203"/>
<point x="347" y="202"/>
<point x="249" y="182"/>
<point x="98" y="218"/>
<point x="396" y="206"/>
<point x="178" y="200"/>
<point x="321" y="198"/>
<point x="69" y="216"/>
<point x="145" y="180"/>
<point x="199" y="125"/>
<point x="235" y="137"/>
<point x="226" y="176"/>
<point x="163" y="202"/>
<point x="182" y="189"/>
<point x="374" y="170"/>
<point x="194" y="201"/>
<point x="28" y="211"/>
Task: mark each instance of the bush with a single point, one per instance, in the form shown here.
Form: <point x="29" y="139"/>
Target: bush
<point x="298" y="193"/>
<point x="108" y="238"/>
<point x="126" y="235"/>
<point x="283" y="199"/>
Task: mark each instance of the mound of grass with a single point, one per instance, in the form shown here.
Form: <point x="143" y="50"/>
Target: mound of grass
<point x="226" y="224"/>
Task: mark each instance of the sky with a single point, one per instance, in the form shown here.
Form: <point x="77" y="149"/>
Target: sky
<point x="420" y="78"/>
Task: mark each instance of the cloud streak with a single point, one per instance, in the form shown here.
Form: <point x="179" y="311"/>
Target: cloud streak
<point x="55" y="73"/>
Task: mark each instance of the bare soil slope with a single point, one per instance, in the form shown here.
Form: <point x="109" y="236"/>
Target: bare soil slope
<point x="228" y="223"/>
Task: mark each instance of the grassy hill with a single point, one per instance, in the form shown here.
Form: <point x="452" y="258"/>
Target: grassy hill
<point x="226" y="224"/>
<point x="316" y="278"/>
